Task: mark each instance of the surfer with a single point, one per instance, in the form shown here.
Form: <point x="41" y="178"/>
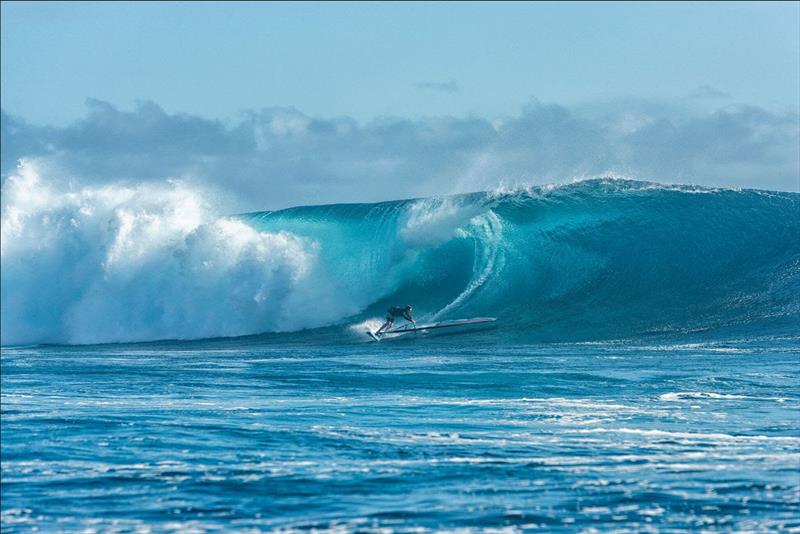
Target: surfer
<point x="396" y="311"/>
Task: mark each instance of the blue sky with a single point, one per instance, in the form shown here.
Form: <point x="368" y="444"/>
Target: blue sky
<point x="278" y="104"/>
<point x="366" y="60"/>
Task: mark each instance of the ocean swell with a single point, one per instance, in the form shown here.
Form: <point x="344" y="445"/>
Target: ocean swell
<point x="597" y="259"/>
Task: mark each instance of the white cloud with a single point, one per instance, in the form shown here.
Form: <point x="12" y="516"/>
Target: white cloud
<point x="277" y="157"/>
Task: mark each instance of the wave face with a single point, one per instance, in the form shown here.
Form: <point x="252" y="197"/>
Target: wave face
<point x="598" y="259"/>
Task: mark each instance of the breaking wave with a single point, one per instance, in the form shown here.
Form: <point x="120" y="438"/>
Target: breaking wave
<point x="597" y="259"/>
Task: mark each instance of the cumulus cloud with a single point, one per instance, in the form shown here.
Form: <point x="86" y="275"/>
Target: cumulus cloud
<point x="276" y="157"/>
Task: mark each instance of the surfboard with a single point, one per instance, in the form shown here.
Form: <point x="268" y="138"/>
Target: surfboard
<point x="417" y="327"/>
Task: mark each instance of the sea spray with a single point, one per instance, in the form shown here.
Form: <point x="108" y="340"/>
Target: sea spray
<point x="138" y="263"/>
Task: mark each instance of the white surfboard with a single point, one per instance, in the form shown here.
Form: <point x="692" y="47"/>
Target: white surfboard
<point x="419" y="327"/>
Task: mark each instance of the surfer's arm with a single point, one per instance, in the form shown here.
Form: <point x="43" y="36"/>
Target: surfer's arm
<point x="408" y="316"/>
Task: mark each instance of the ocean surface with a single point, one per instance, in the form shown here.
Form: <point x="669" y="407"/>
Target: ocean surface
<point x="419" y="435"/>
<point x="166" y="369"/>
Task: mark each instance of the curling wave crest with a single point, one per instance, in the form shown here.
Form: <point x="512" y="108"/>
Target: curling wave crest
<point x="597" y="259"/>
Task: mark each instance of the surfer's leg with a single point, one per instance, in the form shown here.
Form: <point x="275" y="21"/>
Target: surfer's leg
<point x="388" y="324"/>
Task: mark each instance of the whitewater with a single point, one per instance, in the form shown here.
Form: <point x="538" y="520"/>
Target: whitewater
<point x="168" y="366"/>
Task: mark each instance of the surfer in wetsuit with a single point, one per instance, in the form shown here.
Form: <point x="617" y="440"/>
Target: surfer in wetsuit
<point x="396" y="311"/>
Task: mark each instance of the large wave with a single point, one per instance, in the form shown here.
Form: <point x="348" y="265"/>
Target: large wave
<point x="596" y="259"/>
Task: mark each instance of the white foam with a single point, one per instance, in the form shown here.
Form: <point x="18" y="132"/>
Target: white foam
<point x="433" y="221"/>
<point x="488" y="260"/>
<point x="86" y="264"/>
<point x="696" y="395"/>
<point x="689" y="435"/>
<point x="359" y="329"/>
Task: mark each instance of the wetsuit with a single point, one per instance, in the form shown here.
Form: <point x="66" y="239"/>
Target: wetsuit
<point x="393" y="312"/>
<point x="397" y="311"/>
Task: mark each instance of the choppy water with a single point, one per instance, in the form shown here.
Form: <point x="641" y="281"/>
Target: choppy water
<point x="430" y="434"/>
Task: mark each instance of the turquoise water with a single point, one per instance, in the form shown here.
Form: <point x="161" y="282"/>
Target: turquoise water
<point x="642" y="374"/>
<point x="420" y="434"/>
<point x="595" y="260"/>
